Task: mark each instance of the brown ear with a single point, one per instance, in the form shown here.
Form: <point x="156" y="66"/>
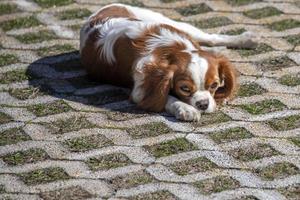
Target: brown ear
<point x="157" y="84"/>
<point x="228" y="75"/>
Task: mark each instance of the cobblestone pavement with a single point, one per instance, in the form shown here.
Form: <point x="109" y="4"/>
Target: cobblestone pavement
<point x="65" y="137"/>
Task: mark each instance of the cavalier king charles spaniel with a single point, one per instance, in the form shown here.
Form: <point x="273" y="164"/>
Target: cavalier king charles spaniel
<point x="160" y="59"/>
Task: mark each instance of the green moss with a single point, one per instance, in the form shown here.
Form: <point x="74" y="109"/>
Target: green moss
<point x="50" y="3"/>
<point x="296" y="141"/>
<point x="293" y="39"/>
<point x="263" y="107"/>
<point x="278" y="170"/>
<point x="194" y="9"/>
<point x="290" y="80"/>
<point x="7" y="59"/>
<point x="25" y="93"/>
<point x="230" y="135"/>
<point x="286" y="123"/>
<point x="22" y="157"/>
<point x="45" y="175"/>
<point x="132" y="180"/>
<point x="24" y="22"/>
<point x="242" y="2"/>
<point x="108" y="162"/>
<point x="13" y="136"/>
<point x="192" y="166"/>
<point x="165" y="195"/>
<point x="217" y="184"/>
<point x="171" y="147"/>
<point x="55" y="50"/>
<point x="254" y="152"/>
<point x="262" y="12"/>
<point x="212" y="118"/>
<point x="291" y="192"/>
<point x="276" y="63"/>
<point x="4" y="118"/>
<point x="106" y="97"/>
<point x="40" y="36"/>
<point x="68" y="125"/>
<point x="13" y="76"/>
<point x="250" y="89"/>
<point x="52" y="108"/>
<point x="235" y="31"/>
<point x="8" y="9"/>
<point x="71" y="193"/>
<point x="284" y="24"/>
<point x="149" y="130"/>
<point x="212" y="22"/>
<point x="74" y="13"/>
<point x="261" y="48"/>
<point x="87" y="143"/>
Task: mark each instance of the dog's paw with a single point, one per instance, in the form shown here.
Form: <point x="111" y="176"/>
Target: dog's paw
<point x="186" y="112"/>
<point x="249" y="40"/>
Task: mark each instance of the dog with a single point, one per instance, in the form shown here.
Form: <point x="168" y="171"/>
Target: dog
<point x="160" y="59"/>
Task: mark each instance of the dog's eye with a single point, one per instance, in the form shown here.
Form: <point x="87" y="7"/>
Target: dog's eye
<point x="185" y="88"/>
<point x="214" y="85"/>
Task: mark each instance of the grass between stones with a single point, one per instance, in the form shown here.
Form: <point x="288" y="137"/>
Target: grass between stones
<point x="71" y="193"/>
<point x="230" y="135"/>
<point x="262" y="12"/>
<point x="7" y="59"/>
<point x="212" y="118"/>
<point x="194" y="9"/>
<point x="212" y="22"/>
<point x="55" y="50"/>
<point x="13" y="136"/>
<point x="284" y="24"/>
<point x="125" y="114"/>
<point x="4" y="118"/>
<point x="250" y="89"/>
<point x="22" y="157"/>
<point x="276" y="63"/>
<point x="253" y="152"/>
<point x="171" y="147"/>
<point x="13" y="76"/>
<point x="24" y="22"/>
<point x="277" y="170"/>
<point x="237" y="31"/>
<point x="241" y="2"/>
<point x="286" y="123"/>
<point x="45" y="175"/>
<point x="52" y="108"/>
<point x="51" y="3"/>
<point x="136" y="3"/>
<point x="291" y="192"/>
<point x="132" y="179"/>
<point x="192" y="166"/>
<point x="68" y="125"/>
<point x="74" y="13"/>
<point x="217" y="184"/>
<point x="106" y="97"/>
<point x="87" y="143"/>
<point x="296" y="141"/>
<point x="261" y="48"/>
<point x="169" y="1"/>
<point x="8" y="9"/>
<point x="108" y="161"/>
<point x="293" y="39"/>
<point x="25" y="93"/>
<point x="165" y="195"/>
<point x="149" y="130"/>
<point x="2" y="189"/>
<point x="263" y="107"/>
<point x="290" y="80"/>
<point x="40" y="36"/>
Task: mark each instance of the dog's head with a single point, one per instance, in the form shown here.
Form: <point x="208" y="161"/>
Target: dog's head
<point x="180" y="67"/>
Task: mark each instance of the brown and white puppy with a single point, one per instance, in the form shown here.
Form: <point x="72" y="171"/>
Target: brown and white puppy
<point x="160" y="59"/>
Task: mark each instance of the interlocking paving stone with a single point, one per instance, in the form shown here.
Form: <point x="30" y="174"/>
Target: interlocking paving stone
<point x="65" y="136"/>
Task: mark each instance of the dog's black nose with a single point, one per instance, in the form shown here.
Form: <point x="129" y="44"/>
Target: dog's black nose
<point x="202" y="104"/>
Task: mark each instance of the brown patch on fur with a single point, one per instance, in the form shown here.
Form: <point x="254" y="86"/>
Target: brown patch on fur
<point x="111" y="12"/>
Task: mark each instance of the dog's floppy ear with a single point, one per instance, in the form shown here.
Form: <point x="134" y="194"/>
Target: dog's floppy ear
<point x="156" y="85"/>
<point x="228" y="76"/>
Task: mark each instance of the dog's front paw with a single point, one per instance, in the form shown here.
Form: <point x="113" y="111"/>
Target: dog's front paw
<point x="186" y="112"/>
